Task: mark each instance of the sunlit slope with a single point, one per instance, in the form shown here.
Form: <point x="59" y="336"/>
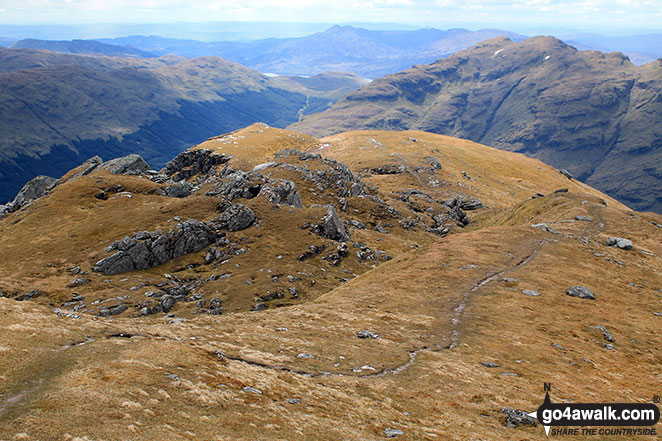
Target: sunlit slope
<point x="441" y="306"/>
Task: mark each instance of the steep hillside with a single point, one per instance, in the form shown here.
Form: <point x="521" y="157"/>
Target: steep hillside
<point x="59" y="109"/>
<point x="368" y="53"/>
<point x="89" y="47"/>
<point x="595" y="114"/>
<point x="368" y="285"/>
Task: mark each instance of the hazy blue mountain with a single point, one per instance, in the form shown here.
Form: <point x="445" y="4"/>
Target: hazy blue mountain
<point x="368" y="53"/>
<point x="640" y="49"/>
<point x="89" y="47"/>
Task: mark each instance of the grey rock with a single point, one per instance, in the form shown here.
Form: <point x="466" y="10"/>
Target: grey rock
<point x="34" y="189"/>
<point x="252" y="390"/>
<point x="583" y="218"/>
<point x="29" y="295"/>
<point x="281" y="191"/>
<point x="259" y="307"/>
<point x="293" y="401"/>
<point x="127" y="165"/>
<point x="78" y="282"/>
<point x="146" y="250"/>
<point x="189" y="237"/>
<point x="167" y="303"/>
<point x="622" y="243"/>
<point x="607" y="335"/>
<point x="388" y="169"/>
<point x="367" y="334"/>
<point x="489" y="364"/>
<point x="559" y="347"/>
<point x="113" y="310"/>
<point x="331" y="227"/>
<point x="392" y="433"/>
<point x="192" y="162"/>
<point x="566" y="173"/>
<point x="236" y="217"/>
<point x="608" y="346"/>
<point x="180" y="190"/>
<point x="531" y="292"/>
<point x="580" y="291"/>
<point x="433" y="162"/>
<point x="304" y="355"/>
<point x="544" y="227"/>
<point x="561" y="190"/>
<point x="118" y="263"/>
<point x="265" y="166"/>
<point x="658" y="314"/>
<point x="88" y="166"/>
<point x="515" y="417"/>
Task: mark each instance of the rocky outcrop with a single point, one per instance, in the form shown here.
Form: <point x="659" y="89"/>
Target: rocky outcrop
<point x="180" y="190"/>
<point x="126" y="165"/>
<point x="192" y="162"/>
<point x="234" y="218"/>
<point x="331" y="227"/>
<point x="238" y="184"/>
<point x="281" y="191"/>
<point x="146" y="250"/>
<point x="34" y="189"/>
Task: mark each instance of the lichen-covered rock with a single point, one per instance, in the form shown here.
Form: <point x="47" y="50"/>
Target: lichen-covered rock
<point x="126" y="165"/>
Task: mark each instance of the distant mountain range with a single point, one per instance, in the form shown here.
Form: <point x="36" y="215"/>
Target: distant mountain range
<point x="640" y="49"/>
<point x="57" y="110"/>
<point x="368" y="53"/>
<point x="596" y="114"/>
<point x="90" y="47"/>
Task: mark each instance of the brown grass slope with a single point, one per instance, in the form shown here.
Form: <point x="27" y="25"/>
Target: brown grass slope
<point x="596" y="114"/>
<point x="442" y="306"/>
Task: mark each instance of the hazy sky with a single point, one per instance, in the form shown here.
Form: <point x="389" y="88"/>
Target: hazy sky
<point x="580" y="14"/>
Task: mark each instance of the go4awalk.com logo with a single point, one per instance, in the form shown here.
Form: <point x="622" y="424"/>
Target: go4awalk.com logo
<point x="602" y="419"/>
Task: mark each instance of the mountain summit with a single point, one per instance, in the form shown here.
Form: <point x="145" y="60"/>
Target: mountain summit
<point x="595" y="114"/>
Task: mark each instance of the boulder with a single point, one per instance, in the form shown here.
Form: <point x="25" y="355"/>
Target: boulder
<point x="146" y="250"/>
<point x="367" y="334"/>
<point x="515" y="417"/>
<point x="566" y="173"/>
<point x="192" y="162"/>
<point x="281" y="191"/>
<point x="580" y="291"/>
<point x="235" y="218"/>
<point x="126" y="165"/>
<point x="34" y="189"/>
<point x="88" y="167"/>
<point x="622" y="243"/>
<point x="331" y="227"/>
<point x="605" y="333"/>
<point x="180" y="190"/>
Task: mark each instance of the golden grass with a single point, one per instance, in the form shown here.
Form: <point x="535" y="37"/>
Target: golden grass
<point x="53" y="387"/>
